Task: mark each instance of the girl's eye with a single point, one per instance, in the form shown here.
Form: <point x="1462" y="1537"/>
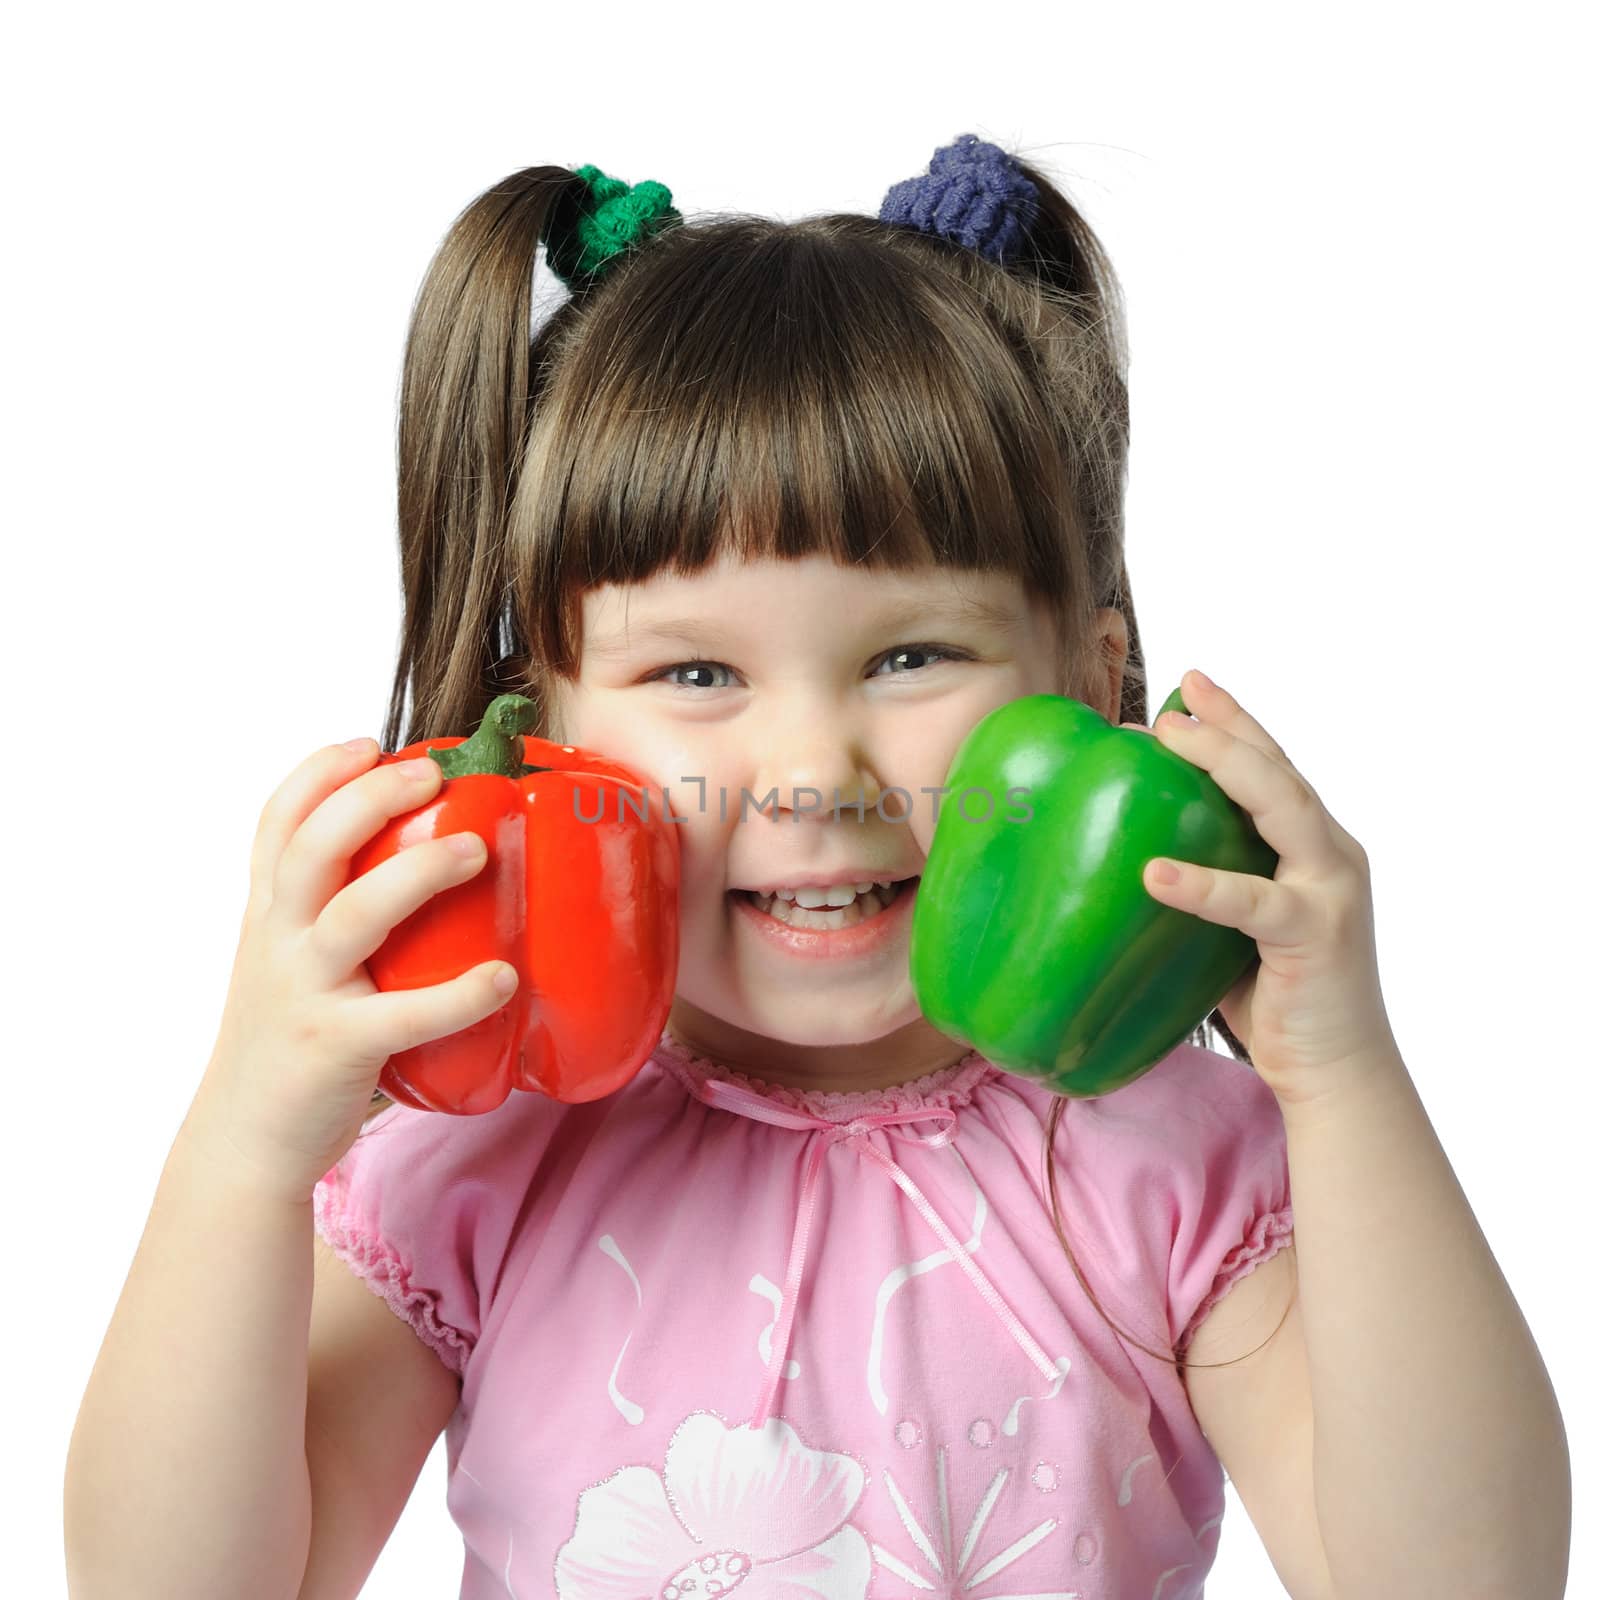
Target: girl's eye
<point x="945" y="652"/>
<point x="690" y="666"/>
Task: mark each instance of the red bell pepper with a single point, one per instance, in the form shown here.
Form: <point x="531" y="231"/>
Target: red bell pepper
<point x="579" y="894"/>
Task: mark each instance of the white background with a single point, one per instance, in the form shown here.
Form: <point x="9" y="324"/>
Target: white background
<point x="1356" y="245"/>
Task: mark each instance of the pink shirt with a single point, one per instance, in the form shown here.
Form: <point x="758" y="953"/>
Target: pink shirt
<point x="953" y="1414"/>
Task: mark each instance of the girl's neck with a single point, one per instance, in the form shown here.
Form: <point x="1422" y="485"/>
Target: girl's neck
<point x="898" y="1057"/>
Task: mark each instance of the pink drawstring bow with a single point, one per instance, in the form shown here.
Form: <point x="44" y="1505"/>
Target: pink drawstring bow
<point x="718" y="1092"/>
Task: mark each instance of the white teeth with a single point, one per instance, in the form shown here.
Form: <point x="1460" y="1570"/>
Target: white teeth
<point x="817" y="907"/>
<point x="833" y="894"/>
<point x="836" y="894"/>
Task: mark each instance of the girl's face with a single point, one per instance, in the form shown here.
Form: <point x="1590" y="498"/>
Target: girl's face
<point x="797" y="676"/>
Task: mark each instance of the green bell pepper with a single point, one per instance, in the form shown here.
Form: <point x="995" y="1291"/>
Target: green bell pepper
<point x="1033" y="938"/>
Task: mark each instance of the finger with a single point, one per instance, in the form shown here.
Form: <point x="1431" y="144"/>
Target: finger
<point x="1214" y="705"/>
<point x="1285" y="808"/>
<point x="1262" y="908"/>
<point x="315" y="863"/>
<point x="357" y="920"/>
<point x="400" y="1019"/>
<point x="292" y="802"/>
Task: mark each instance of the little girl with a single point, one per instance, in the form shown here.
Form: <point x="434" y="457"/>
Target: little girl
<point x="820" y="1303"/>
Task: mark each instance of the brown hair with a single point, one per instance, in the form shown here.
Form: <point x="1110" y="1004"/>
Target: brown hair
<point x="835" y="385"/>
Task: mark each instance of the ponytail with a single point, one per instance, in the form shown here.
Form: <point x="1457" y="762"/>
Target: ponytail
<point x="464" y="408"/>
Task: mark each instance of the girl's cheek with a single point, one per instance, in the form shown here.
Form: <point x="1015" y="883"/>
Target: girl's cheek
<point x="928" y="799"/>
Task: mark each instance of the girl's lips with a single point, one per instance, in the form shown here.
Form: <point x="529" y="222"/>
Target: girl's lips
<point x="825" y="943"/>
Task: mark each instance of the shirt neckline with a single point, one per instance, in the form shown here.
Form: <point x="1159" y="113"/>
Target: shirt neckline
<point x="949" y="1086"/>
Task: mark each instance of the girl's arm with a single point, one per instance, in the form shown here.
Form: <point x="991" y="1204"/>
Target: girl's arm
<point x="1440" y="1462"/>
<point x="187" y="1473"/>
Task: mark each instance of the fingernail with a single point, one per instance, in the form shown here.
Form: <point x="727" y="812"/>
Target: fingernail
<point x="1200" y="678"/>
<point x="357" y="745"/>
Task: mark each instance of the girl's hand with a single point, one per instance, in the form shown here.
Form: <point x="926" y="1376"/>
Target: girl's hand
<point x="1311" y="1010"/>
<point x="305" y="1032"/>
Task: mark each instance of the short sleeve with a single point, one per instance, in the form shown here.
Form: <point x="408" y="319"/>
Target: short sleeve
<point x="423" y="1208"/>
<point x="1230" y="1179"/>
<point x="1182" y="1181"/>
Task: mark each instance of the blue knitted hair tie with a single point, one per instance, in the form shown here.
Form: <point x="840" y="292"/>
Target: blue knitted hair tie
<point x="973" y="193"/>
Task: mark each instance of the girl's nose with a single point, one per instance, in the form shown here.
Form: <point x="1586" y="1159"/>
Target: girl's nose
<point x="805" y="767"/>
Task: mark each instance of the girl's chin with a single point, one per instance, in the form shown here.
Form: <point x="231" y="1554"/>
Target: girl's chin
<point x="796" y="1023"/>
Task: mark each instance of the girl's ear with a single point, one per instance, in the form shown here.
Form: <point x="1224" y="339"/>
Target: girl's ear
<point x="1111" y="644"/>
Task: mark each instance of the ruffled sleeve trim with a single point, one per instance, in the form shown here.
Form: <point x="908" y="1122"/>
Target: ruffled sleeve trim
<point x="388" y="1277"/>
<point x="1270" y="1232"/>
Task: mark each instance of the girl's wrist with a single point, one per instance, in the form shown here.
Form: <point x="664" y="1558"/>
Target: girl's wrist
<point x="1376" y="1073"/>
<point x="208" y="1154"/>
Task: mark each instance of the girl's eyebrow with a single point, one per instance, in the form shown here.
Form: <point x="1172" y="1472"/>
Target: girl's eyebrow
<point x="700" y="633"/>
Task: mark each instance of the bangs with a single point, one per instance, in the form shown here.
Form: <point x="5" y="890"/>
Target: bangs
<point x="755" y="389"/>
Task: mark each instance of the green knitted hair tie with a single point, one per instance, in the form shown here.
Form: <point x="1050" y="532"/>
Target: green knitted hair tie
<point x="589" y="228"/>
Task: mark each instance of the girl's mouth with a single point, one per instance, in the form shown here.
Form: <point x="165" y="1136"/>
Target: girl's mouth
<point x="826" y="919"/>
<point x="871" y="928"/>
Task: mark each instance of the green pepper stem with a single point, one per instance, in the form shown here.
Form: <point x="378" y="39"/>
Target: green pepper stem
<point x="496" y="745"/>
<point x="1173" y="702"/>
